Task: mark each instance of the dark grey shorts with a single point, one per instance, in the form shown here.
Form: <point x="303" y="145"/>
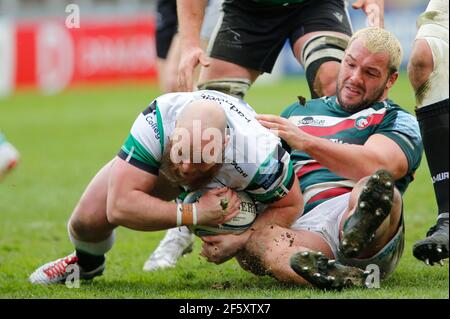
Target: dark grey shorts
<point x="252" y="35"/>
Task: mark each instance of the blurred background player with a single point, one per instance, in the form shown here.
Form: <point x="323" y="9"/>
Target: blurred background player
<point x="251" y="34"/>
<point x="428" y="73"/>
<point x="247" y="40"/>
<point x="167" y="39"/>
<point x="177" y="241"/>
<point x="9" y="156"/>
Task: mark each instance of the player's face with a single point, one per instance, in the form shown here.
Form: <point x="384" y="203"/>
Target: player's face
<point x="364" y="78"/>
<point x="188" y="171"/>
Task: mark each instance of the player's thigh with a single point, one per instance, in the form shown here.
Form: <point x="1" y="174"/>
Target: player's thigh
<point x="248" y="39"/>
<point x="420" y="64"/>
<point x="268" y="241"/>
<point x="90" y="211"/>
<point x="166" y="26"/>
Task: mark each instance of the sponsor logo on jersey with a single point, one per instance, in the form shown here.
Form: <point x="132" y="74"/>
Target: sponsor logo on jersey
<point x="309" y="120"/>
<point x="239" y="169"/>
<point x="151" y="120"/>
<point x="362" y="122"/>
<point x="233" y="107"/>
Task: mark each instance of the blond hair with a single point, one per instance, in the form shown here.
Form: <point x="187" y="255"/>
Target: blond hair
<point x="378" y="40"/>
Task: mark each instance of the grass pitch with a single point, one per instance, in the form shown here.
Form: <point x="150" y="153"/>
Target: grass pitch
<point x="65" y="139"/>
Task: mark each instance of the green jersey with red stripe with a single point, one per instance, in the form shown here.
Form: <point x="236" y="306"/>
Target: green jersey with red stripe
<point x="325" y="118"/>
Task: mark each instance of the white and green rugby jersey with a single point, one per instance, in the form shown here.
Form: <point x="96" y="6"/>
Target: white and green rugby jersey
<point x="254" y="160"/>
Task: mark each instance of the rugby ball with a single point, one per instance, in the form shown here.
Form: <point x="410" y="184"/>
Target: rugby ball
<point x="237" y="225"/>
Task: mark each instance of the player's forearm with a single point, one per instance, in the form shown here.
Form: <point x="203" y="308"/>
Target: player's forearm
<point x="347" y="160"/>
<point x="190" y="19"/>
<point x="375" y="12"/>
<point x="139" y="211"/>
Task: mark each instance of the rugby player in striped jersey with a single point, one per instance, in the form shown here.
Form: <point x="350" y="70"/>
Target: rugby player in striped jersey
<point x="354" y="155"/>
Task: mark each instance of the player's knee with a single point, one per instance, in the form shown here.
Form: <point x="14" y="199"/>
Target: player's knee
<point x="236" y="87"/>
<point x="316" y="52"/>
<point x="420" y="64"/>
<point x="87" y="221"/>
<point x="325" y="80"/>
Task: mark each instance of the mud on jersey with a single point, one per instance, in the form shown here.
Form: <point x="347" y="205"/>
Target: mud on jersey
<point x="254" y="160"/>
<point x="325" y="118"/>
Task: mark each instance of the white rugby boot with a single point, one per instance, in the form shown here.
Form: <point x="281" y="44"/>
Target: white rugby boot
<point x="9" y="156"/>
<point x="176" y="243"/>
<point x="56" y="272"/>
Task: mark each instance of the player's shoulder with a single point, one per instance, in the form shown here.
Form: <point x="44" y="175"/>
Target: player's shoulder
<point x="318" y="106"/>
<point x="394" y="110"/>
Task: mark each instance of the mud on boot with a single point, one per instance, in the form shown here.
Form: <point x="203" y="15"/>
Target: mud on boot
<point x="325" y="273"/>
<point x="374" y="205"/>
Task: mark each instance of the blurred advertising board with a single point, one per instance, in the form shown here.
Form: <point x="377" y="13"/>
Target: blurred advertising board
<point x="48" y="55"/>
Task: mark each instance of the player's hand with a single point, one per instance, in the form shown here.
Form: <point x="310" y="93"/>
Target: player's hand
<point x="284" y="129"/>
<point x="218" y="206"/>
<point x="220" y="248"/>
<point x="374" y="10"/>
<point x="189" y="59"/>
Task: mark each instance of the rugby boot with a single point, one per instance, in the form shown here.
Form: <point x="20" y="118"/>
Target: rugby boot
<point x="434" y="248"/>
<point x="176" y="243"/>
<point x="325" y="273"/>
<point x="374" y="205"/>
<point x="57" y="272"/>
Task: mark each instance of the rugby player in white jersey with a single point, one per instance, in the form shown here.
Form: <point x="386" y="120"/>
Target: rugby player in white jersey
<point x="202" y="139"/>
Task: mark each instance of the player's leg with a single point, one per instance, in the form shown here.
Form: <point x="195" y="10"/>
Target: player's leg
<point x="167" y="51"/>
<point x="90" y="232"/>
<point x="268" y="251"/>
<point x="245" y="44"/>
<point x="319" y="44"/>
<point x="305" y="253"/>
<point x="321" y="54"/>
<point x="168" y="67"/>
<point x="367" y="239"/>
<point x="428" y="73"/>
<point x="9" y="156"/>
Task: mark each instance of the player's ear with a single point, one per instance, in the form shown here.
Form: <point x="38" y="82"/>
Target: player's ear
<point x="391" y="80"/>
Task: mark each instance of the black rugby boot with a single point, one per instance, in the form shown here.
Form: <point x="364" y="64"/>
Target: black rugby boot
<point x="374" y="205"/>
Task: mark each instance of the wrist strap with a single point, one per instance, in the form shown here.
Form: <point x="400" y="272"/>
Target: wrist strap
<point x="186" y="214"/>
<point x="179" y="214"/>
